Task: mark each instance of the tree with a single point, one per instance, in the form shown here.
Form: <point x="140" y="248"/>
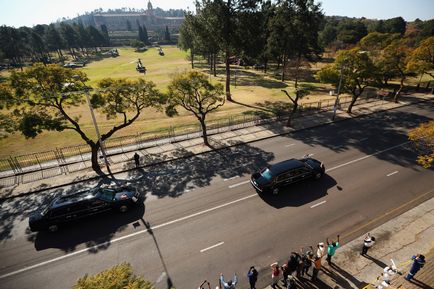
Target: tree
<point x="196" y="94"/>
<point x="145" y="35"/>
<point x="129" y="27"/>
<point x="186" y="36"/>
<point x="70" y="36"/>
<point x="395" y="25"/>
<point x="351" y="31"/>
<point x="105" y="33"/>
<point x="423" y="141"/>
<point x="167" y="34"/>
<point x="118" y="277"/>
<point x="356" y="70"/>
<point x="43" y="95"/>
<point x="54" y="40"/>
<point x="394" y="61"/>
<point x="299" y="94"/>
<point x="421" y="59"/>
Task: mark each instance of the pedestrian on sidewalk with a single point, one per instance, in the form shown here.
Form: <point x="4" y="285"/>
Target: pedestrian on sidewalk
<point x="230" y="284"/>
<point x="285" y="274"/>
<point x="418" y="262"/>
<point x="320" y="252"/>
<point x="306" y="257"/>
<point x="331" y="249"/>
<point x="368" y="242"/>
<point x="137" y="160"/>
<point x="252" y="275"/>
<point x="316" y="268"/>
<point x="202" y="286"/>
<point x="275" y="274"/>
<point x="294" y="263"/>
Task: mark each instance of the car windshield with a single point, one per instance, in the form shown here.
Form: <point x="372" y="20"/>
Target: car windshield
<point x="266" y="174"/>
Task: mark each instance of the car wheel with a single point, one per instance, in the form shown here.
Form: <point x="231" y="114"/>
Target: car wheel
<point x="318" y="175"/>
<point x="53" y="228"/>
<point x="275" y="191"/>
<point x="123" y="208"/>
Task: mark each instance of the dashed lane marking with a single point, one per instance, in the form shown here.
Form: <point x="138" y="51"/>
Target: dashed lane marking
<point x="211" y="247"/>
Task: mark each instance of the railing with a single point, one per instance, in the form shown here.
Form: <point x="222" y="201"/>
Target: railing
<point x="18" y="169"/>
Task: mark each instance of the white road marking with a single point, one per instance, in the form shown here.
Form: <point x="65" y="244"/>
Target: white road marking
<point x="174" y="221"/>
<point x="161" y="277"/>
<point x="290" y="145"/>
<point x="365" y="157"/>
<point x="228" y="179"/>
<point x="391" y="174"/>
<point x="211" y="247"/>
<point x="239" y="184"/>
<point x="90" y="249"/>
<point x="319" y="204"/>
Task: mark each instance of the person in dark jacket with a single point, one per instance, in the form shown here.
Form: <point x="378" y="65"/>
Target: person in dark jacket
<point x="253" y="277"/>
<point x="418" y="262"/>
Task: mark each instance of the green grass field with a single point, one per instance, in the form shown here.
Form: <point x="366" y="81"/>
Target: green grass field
<point x="252" y="92"/>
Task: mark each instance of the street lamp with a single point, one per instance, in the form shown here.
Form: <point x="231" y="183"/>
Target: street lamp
<point x="86" y="89"/>
<point x="335" y="107"/>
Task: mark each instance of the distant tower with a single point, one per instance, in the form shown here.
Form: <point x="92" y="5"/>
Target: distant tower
<point x="150" y="8"/>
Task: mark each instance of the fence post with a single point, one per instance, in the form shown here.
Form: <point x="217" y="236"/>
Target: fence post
<point x="40" y="166"/>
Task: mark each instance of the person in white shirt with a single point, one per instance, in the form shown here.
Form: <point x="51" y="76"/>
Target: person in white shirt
<point x="368" y="242"/>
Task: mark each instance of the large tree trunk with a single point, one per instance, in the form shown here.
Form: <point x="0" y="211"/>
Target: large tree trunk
<point x="228" y="78"/>
<point x="204" y="132"/>
<point x="192" y="58"/>
<point x="294" y="109"/>
<point x="94" y="159"/>
<point x="397" y="94"/>
<point x="353" y="101"/>
<point x="283" y="68"/>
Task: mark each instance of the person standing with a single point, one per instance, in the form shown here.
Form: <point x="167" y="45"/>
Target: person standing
<point x="253" y="277"/>
<point x="307" y="260"/>
<point x="418" y="263"/>
<point x="230" y="284"/>
<point x="368" y="242"/>
<point x="316" y="268"/>
<point x="275" y="274"/>
<point x="320" y="252"/>
<point x="137" y="160"/>
<point x="331" y="249"/>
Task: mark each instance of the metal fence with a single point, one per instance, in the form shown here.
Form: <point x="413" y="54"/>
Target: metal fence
<point x="22" y="168"/>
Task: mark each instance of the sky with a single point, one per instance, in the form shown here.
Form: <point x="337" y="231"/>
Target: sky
<point x="31" y="12"/>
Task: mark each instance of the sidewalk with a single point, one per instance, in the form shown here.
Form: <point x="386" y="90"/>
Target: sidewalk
<point x="123" y="162"/>
<point x="408" y="234"/>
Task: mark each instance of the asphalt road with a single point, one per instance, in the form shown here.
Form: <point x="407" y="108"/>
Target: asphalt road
<point x="203" y="216"/>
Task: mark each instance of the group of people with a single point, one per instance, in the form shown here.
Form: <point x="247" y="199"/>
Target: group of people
<point x="299" y="265"/>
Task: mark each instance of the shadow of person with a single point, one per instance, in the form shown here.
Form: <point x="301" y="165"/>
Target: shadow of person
<point x="376" y="261"/>
<point x="420" y="284"/>
<point x="345" y="277"/>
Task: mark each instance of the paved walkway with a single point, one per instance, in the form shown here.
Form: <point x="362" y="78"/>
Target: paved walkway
<point x="408" y="234"/>
<point x="121" y="163"/>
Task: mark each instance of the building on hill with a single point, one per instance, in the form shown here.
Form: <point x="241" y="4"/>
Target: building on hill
<point x="117" y="21"/>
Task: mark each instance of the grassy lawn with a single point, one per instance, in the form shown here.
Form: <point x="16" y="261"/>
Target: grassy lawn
<point x="253" y="91"/>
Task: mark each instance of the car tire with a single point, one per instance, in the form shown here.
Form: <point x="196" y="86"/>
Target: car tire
<point x="275" y="191"/>
<point x="123" y="208"/>
<point x="53" y="228"/>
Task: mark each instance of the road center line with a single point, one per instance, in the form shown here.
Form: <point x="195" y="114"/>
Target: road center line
<point x="231" y="178"/>
<point x="211" y="247"/>
<point x="365" y="157"/>
<point x="290" y="145"/>
<point x="319" y="204"/>
<point x="391" y="174"/>
<point x="239" y="184"/>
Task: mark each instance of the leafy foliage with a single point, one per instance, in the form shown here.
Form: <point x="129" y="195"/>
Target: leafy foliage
<point x="423" y="140"/>
<point x="117" y="277"/>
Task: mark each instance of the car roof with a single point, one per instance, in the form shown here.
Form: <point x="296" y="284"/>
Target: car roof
<point x="74" y="198"/>
<point x="286" y="165"/>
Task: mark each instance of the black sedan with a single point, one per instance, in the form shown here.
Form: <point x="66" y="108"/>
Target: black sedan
<point x="273" y="178"/>
<point x="80" y="205"/>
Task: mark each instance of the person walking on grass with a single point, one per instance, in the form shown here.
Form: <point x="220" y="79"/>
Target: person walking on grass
<point x="418" y="263"/>
<point x="252" y="275"/>
<point x="331" y="249"/>
<point x="368" y="242"/>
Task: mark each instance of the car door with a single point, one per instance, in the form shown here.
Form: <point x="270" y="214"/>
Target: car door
<point x="96" y="206"/>
<point x="283" y="179"/>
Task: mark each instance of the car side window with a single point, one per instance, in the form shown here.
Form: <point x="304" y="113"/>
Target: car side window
<point x="106" y="195"/>
<point x="55" y="213"/>
<point x="283" y="177"/>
